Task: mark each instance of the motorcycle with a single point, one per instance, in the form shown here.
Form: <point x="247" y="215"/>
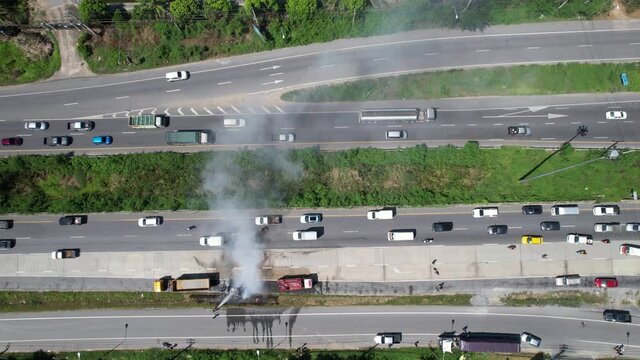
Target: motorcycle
<point x="427" y="241"/>
<point x="191" y="227"/>
<point x="606" y="241"/>
<point x="582" y="252"/>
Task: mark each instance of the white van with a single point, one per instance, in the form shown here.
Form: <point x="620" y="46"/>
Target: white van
<point x="567" y="280"/>
<point x="431" y="113"/>
<point x="630" y="249"/>
<point x="176" y="76"/>
<point x="305" y="235"/>
<point x="401" y="235"/>
<point x="234" y="123"/>
<point x="383" y="214"/>
<point x="571" y="209"/>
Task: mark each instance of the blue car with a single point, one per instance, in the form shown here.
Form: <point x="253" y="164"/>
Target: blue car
<point x="102" y="140"/>
<point x="624" y="79"/>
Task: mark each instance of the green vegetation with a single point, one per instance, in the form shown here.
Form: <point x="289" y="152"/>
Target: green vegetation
<point x="308" y="178"/>
<point x="569" y="298"/>
<point x="401" y="353"/>
<point x="218" y="27"/>
<point x="517" y="80"/>
<point x="17" y="67"/>
<point x="29" y="301"/>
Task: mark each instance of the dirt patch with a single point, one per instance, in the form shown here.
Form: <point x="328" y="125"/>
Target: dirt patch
<point x="35" y="45"/>
<point x="619" y="12"/>
<point x="345" y="179"/>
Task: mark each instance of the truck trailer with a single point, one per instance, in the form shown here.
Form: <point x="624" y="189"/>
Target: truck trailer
<point x="189" y="137"/>
<point x="295" y="283"/>
<point x="149" y="121"/>
<point x="169" y="284"/>
<point x="490" y="342"/>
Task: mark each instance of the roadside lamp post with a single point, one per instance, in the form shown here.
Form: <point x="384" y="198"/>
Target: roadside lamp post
<point x="453" y="321"/>
<point x="455" y="12"/>
<point x="627" y="338"/>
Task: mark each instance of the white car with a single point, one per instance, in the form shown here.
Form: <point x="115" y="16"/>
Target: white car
<point x="632" y="227"/>
<point x="616" y="115"/>
<point x="396" y="134"/>
<point x="604" y="210"/>
<point x="36" y="125"/>
<point x="604" y="227"/>
<point x="485" y="212"/>
<point x="530" y="339"/>
<point x="211" y="240"/>
<point x="149" y="221"/>
<point x="311" y="218"/>
<point x="177" y="76"/>
<point x="579" y="239"/>
<point x="284" y="137"/>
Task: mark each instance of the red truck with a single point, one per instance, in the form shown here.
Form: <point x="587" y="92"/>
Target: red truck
<point x="295" y="283"/>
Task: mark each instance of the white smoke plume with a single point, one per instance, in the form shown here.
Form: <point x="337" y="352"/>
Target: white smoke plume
<point x="245" y="180"/>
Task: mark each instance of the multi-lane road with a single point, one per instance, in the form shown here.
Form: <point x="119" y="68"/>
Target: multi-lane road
<point x="289" y="328"/>
<point x="339" y="227"/>
<point x="338" y="129"/>
<point x="240" y="77"/>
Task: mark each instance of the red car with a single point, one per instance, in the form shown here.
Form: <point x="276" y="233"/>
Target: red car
<point x="16" y="141"/>
<point x="606" y="282"/>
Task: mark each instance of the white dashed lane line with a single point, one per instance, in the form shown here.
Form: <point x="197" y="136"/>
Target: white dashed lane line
<point x="224" y="83"/>
<point x="174" y="90"/>
<point x="71" y="104"/>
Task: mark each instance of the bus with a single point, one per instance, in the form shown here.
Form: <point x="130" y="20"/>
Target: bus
<point x="390" y="115"/>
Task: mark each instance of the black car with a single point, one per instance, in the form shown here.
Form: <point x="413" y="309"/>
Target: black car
<point x="550" y="226"/>
<point x="6" y="224"/>
<point x="6" y="244"/>
<point x="532" y="209"/>
<point x="73" y="220"/>
<point x="442" y="226"/>
<point x="617" y="315"/>
<point x="497" y="229"/>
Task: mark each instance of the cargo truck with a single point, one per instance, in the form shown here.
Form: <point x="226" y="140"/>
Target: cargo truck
<point x="189" y="137"/>
<point x="169" y="284"/>
<point x="295" y="283"/>
<point x="149" y="121"/>
<point x="268" y="220"/>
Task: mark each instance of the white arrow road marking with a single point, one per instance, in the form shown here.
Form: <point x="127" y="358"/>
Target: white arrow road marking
<point x="270" y="68"/>
<point x="548" y="116"/>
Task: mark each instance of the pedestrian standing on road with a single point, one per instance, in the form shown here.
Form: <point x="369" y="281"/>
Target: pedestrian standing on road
<point x="464" y="328"/>
<point x="544" y="256"/>
<point x="436" y="271"/>
<point x="434" y="261"/>
<point x="416" y="343"/>
<point x="583" y="324"/>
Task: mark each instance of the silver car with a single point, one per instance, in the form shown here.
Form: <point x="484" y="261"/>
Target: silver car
<point x="36" y="125"/>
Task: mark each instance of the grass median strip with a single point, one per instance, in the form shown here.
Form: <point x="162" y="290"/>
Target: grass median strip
<point x="499" y="81"/>
<point x="569" y="298"/>
<point x="33" y="301"/>
<point x="417" y="176"/>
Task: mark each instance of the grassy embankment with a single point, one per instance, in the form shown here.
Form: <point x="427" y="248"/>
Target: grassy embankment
<point x="30" y="301"/>
<point x="17" y="68"/>
<point x="360" y="177"/>
<point x="134" y="45"/>
<point x="502" y="81"/>
<point x="569" y="298"/>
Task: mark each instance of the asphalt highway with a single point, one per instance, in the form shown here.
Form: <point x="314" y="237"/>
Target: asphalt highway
<point x="243" y="77"/>
<point x="339" y="228"/>
<point x="289" y="328"/>
<point x="550" y="126"/>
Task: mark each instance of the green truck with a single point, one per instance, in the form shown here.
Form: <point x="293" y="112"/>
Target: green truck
<point x="189" y="137"/>
<point x="149" y="121"/>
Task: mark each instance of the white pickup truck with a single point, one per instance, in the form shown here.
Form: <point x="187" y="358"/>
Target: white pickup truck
<point x="81" y="125"/>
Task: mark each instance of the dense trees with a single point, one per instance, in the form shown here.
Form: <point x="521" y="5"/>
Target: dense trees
<point x="92" y="10"/>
